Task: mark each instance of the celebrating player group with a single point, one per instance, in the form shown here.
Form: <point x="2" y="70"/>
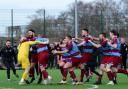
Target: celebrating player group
<point x="33" y="54"/>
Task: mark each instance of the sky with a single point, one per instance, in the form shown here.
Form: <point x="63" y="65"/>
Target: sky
<point x="25" y="8"/>
<point x="36" y="4"/>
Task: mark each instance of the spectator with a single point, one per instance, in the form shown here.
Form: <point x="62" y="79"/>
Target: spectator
<point x="9" y="58"/>
<point x="51" y="56"/>
<point x="124" y="51"/>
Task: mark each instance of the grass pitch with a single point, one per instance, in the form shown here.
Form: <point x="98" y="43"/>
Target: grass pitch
<point x="55" y="73"/>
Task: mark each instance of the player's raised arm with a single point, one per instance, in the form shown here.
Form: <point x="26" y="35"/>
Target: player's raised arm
<point x="95" y="38"/>
<point x="38" y="42"/>
<point x="45" y="41"/>
<point x="80" y="39"/>
<point x="81" y="44"/>
<point x="60" y="52"/>
<point x="94" y="44"/>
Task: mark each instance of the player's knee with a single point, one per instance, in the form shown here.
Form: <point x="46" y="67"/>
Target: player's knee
<point x="32" y="65"/>
<point x="61" y="64"/>
<point x="43" y="69"/>
<point x="71" y="69"/>
<point x="65" y="66"/>
<point x="108" y="69"/>
<point x="81" y="66"/>
<point x="114" y="69"/>
<point x="102" y="68"/>
<point x="68" y="65"/>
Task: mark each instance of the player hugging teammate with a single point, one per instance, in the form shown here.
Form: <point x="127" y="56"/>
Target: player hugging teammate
<point x="69" y="57"/>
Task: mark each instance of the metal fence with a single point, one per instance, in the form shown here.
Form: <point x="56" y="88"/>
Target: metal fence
<point x="52" y="23"/>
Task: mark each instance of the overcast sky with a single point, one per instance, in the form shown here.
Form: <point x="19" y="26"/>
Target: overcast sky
<point x="35" y="4"/>
<point x="20" y="14"/>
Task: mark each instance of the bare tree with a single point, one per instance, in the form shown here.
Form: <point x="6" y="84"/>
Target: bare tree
<point x="98" y="16"/>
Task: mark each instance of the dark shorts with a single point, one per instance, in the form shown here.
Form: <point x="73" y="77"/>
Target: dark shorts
<point x="91" y="64"/>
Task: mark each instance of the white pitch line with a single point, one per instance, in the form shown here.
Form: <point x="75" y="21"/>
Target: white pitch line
<point x="94" y="87"/>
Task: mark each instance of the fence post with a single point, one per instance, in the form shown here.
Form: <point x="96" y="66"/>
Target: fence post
<point x="44" y="24"/>
<point x="12" y="26"/>
<point x="101" y="22"/>
<point x="76" y="19"/>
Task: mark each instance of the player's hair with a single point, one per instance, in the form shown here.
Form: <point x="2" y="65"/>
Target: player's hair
<point x="69" y="36"/>
<point x="104" y="34"/>
<point x="32" y="30"/>
<point x="85" y="29"/>
<point x="8" y="40"/>
<point x="114" y="32"/>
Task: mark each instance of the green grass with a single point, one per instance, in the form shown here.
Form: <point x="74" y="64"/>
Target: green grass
<point x="13" y="83"/>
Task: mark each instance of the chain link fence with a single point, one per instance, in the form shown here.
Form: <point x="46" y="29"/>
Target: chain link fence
<point x="55" y="24"/>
